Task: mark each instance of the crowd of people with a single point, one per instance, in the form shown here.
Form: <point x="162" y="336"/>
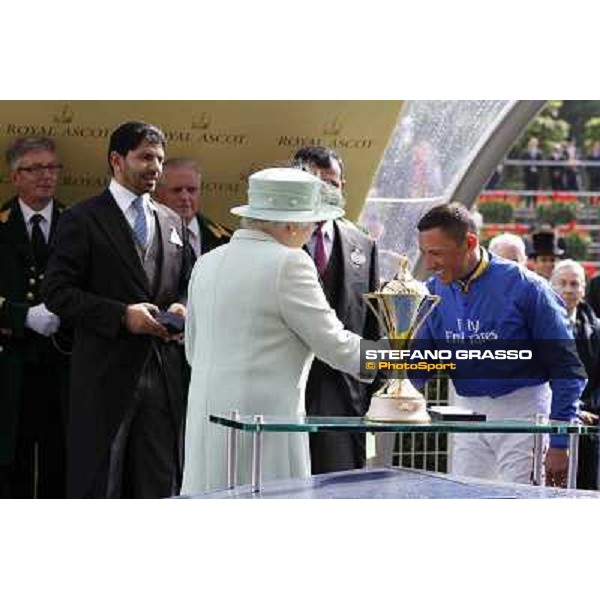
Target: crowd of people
<point x="567" y="278"/>
<point x="128" y="318"/>
<point x="564" y="168"/>
<point x="93" y="372"/>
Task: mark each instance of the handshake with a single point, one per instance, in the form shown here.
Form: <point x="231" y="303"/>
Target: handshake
<point x="41" y="320"/>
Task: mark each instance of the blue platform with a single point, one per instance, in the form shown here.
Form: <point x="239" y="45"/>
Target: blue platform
<point x="394" y="483"/>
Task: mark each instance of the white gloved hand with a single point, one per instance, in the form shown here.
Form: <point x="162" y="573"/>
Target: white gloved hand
<point x="41" y="320"/>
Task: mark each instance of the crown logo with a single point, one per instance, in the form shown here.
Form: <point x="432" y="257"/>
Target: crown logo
<point x="64" y="115"/>
<point x="201" y="121"/>
<point x="334" y="127"/>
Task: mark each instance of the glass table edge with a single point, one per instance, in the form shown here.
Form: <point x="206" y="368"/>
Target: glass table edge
<point x="359" y="424"/>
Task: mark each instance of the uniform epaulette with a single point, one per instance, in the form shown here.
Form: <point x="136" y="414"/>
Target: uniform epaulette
<point x="217" y="230"/>
<point x="4" y="215"/>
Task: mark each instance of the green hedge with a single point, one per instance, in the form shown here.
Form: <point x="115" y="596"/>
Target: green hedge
<point x="577" y="246"/>
<point x="496" y="212"/>
<point x="557" y="213"/>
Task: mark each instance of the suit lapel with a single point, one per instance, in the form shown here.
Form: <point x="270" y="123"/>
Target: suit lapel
<point x="112" y="221"/>
<point x="355" y="263"/>
<point x="56" y="212"/>
<point x="347" y="273"/>
<point x="161" y="230"/>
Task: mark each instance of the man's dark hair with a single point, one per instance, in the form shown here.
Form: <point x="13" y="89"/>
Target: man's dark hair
<point x="454" y="219"/>
<point x="130" y="135"/>
<point x="21" y="146"/>
<point x="319" y="156"/>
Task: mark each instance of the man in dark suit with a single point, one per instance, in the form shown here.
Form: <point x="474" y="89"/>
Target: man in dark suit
<point x="557" y="172"/>
<point x="592" y="295"/>
<point x="179" y="189"/>
<point x="32" y="368"/>
<point x="545" y="251"/>
<point x="346" y="260"/>
<point x="118" y="260"/>
<point x="532" y="174"/>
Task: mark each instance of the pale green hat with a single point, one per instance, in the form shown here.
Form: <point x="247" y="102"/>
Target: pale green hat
<point x="288" y="195"/>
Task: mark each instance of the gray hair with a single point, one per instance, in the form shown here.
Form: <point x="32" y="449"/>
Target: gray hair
<point x="569" y="263"/>
<point x="508" y="240"/>
<point x="180" y="163"/>
<point x="261" y="224"/>
<point x="22" y="146"/>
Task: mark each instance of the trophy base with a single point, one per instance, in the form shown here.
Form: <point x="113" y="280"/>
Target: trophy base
<point x="400" y="403"/>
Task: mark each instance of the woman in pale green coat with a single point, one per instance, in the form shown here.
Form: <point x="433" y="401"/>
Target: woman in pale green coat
<point x="256" y="317"/>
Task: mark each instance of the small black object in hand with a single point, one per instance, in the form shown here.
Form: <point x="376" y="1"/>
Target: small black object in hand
<point x="173" y="323"/>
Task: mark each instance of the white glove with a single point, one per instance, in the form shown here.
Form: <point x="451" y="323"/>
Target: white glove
<point x="41" y="320"/>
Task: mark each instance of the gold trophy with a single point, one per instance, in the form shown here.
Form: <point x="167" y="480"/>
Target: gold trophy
<point x="401" y="307"/>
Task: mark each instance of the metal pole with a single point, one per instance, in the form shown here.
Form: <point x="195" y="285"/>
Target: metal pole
<point x="538" y="452"/>
<point x="257" y="455"/>
<point x="232" y="439"/>
<point x="573" y="457"/>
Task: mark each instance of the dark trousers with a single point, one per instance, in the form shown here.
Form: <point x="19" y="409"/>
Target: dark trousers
<point x="38" y="469"/>
<point x="331" y="393"/>
<point x="588" y="456"/>
<point x="145" y="456"/>
<point x="336" y="451"/>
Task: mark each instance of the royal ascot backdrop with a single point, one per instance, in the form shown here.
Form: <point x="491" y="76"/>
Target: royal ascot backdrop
<point x="229" y="139"/>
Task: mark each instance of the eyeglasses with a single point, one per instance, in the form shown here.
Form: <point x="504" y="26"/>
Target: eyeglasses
<point x="39" y="169"/>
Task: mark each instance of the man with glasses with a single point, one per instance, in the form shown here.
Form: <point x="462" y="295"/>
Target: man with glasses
<point x="32" y="368"/>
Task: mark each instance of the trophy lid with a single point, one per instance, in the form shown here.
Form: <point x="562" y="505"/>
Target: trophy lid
<point x="404" y="283"/>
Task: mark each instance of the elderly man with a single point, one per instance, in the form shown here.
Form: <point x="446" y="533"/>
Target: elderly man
<point x="32" y="369"/>
<point x="179" y="189"/>
<point x="568" y="281"/>
<point x="509" y="246"/>
<point x="469" y="282"/>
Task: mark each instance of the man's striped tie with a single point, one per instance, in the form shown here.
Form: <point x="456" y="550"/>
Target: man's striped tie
<point x="140" y="227"/>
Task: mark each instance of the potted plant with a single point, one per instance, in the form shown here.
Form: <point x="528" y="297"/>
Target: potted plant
<point x="576" y="245"/>
<point x="496" y="212"/>
<point x="557" y="213"/>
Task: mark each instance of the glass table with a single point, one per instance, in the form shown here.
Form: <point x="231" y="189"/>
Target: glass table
<point x="258" y="425"/>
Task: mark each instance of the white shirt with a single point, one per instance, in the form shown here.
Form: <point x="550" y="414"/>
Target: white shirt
<point x="195" y="236"/>
<point x="328" y="235"/>
<point x="44" y="223"/>
<point x="125" y="198"/>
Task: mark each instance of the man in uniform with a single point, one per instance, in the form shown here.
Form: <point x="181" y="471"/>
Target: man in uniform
<point x="33" y="364"/>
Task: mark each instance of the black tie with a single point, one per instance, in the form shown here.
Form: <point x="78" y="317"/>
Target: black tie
<point x="38" y="243"/>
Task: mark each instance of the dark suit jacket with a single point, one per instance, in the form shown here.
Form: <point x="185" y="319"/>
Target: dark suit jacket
<point x="19" y="290"/>
<point x="532" y="174"/>
<point x="592" y="296"/>
<point x="212" y="234"/>
<point x="93" y="274"/>
<point x="331" y="392"/>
